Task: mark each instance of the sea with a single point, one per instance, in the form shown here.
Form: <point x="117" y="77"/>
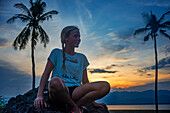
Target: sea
<point x="138" y="107"/>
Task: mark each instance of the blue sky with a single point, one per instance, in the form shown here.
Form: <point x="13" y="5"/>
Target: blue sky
<point x="106" y="28"/>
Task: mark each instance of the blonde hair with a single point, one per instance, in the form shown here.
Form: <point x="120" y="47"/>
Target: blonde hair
<point x="64" y="34"/>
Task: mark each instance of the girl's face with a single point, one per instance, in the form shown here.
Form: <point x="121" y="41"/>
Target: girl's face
<point x="73" y="39"/>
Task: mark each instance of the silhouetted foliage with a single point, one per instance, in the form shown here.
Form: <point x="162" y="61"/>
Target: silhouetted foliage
<point x="153" y="25"/>
<point x="3" y="103"/>
<point x="33" y="17"/>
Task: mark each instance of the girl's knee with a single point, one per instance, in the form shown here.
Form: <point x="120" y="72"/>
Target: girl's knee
<point x="105" y="87"/>
<point x="56" y="83"/>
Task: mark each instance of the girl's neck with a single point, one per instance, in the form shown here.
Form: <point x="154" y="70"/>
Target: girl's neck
<point x="70" y="50"/>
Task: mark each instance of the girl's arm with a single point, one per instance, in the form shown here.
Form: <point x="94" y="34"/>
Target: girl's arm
<point x="85" y="77"/>
<point x="39" y="101"/>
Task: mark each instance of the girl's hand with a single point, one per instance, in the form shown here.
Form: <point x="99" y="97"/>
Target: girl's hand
<point x="99" y="104"/>
<point x="39" y="103"/>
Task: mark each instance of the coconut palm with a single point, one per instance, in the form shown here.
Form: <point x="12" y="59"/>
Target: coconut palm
<point x="33" y="17"/>
<point x="152" y="27"/>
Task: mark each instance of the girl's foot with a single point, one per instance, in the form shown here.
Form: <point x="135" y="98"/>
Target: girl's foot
<point x="84" y="109"/>
<point x="75" y="112"/>
<point x="75" y="109"/>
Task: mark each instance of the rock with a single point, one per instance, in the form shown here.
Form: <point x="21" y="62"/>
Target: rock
<point x="24" y="104"/>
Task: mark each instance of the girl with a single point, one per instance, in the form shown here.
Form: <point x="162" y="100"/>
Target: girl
<point x="69" y="83"/>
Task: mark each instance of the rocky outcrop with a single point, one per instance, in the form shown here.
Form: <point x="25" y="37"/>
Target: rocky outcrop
<point x="24" y="104"/>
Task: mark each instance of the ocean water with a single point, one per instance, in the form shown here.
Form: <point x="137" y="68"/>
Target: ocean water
<point x="138" y="107"/>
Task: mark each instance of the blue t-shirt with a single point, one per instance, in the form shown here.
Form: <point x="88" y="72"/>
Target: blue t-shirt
<point x="75" y="66"/>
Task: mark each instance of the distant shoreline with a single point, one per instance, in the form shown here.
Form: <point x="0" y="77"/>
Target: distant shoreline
<point x="140" y="104"/>
<point x="138" y="111"/>
<point x="137" y="107"/>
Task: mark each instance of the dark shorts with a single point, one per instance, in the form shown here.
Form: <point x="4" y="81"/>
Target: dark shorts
<point x="60" y="103"/>
<point x="71" y="89"/>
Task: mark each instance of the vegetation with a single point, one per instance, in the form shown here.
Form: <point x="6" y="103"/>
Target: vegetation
<point x="2" y="104"/>
<point x="153" y="25"/>
<point x="33" y="17"/>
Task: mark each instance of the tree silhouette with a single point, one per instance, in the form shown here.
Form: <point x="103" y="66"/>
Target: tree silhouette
<point x="33" y="17"/>
<point x="152" y="27"/>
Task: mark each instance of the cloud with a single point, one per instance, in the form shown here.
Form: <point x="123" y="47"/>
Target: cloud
<point x="142" y="71"/>
<point x="84" y="31"/>
<point x="91" y="34"/>
<point x="100" y="71"/>
<point x="119" y="47"/>
<point x="111" y="47"/>
<point x="149" y="74"/>
<point x="13" y="81"/>
<point x="83" y="9"/>
<point x="166" y="49"/>
<point x="111" y="34"/>
<point x="4" y="43"/>
<point x="113" y="65"/>
<point x="150" y="86"/>
<point x="89" y="13"/>
<point x="129" y="64"/>
<point x="162" y="64"/>
<point x="121" y="41"/>
<point x="125" y="34"/>
<point x="158" y="3"/>
<point x="94" y="38"/>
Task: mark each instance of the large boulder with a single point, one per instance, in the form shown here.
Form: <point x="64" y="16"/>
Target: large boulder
<point x="24" y="104"/>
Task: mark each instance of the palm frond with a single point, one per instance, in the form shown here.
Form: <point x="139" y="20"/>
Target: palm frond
<point x="42" y="4"/>
<point x="163" y="32"/>
<point x="24" y="18"/>
<point x="147" y="25"/>
<point x="22" y="39"/>
<point x="23" y="8"/>
<point x="36" y="35"/>
<point x="31" y="2"/>
<point x="146" y="17"/>
<point x="12" y="20"/>
<point x="43" y="36"/>
<point x="163" y="16"/>
<point x="34" y="38"/>
<point x="47" y="15"/>
<point x="34" y="43"/>
<point x="166" y="23"/>
<point x="25" y="38"/>
<point x="146" y="38"/>
<point x="141" y="30"/>
<point x="162" y="26"/>
<point x="37" y="8"/>
<point x="168" y="27"/>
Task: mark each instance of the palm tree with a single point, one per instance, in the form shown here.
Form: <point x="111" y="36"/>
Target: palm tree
<point x="152" y="27"/>
<point x="33" y="17"/>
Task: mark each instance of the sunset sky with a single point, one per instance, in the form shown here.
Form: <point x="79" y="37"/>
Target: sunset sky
<point x="106" y="28"/>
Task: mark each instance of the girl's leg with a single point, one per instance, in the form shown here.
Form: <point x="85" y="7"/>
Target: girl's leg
<point x="90" y="92"/>
<point x="58" y="91"/>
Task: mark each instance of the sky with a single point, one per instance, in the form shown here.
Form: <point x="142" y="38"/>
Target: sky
<point x="107" y="40"/>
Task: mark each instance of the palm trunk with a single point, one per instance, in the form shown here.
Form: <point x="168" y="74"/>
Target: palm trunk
<point x="156" y="74"/>
<point x="33" y="62"/>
